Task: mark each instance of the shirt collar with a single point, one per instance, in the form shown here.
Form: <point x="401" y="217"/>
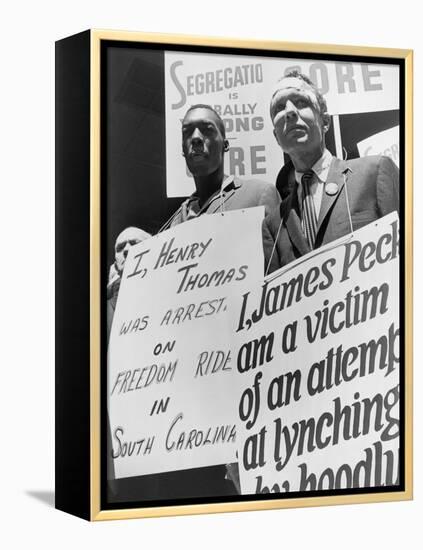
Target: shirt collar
<point x="320" y="167"/>
<point x="192" y="202"/>
<point x="227" y="184"/>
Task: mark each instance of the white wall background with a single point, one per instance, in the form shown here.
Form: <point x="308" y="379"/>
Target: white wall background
<point x="28" y="32"/>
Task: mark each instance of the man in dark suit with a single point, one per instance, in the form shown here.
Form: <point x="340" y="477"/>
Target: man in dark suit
<point x="325" y="197"/>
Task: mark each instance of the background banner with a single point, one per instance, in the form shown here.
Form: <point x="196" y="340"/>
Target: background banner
<point x="240" y="88"/>
<point x="384" y="143"/>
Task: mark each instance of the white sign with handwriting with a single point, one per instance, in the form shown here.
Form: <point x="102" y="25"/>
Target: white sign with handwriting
<point x="172" y="385"/>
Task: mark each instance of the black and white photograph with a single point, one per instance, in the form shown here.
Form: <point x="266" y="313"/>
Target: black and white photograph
<point x="252" y="275"/>
<point x="211" y="263"/>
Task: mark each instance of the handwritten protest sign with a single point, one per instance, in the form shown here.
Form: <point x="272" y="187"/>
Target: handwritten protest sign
<point x="240" y="88"/>
<point x="172" y="385"/>
<point x="318" y="352"/>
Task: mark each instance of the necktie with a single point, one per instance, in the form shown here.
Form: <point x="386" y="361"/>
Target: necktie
<point x="309" y="218"/>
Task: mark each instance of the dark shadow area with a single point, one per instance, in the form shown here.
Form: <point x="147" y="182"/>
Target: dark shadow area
<point x="46" y="497"/>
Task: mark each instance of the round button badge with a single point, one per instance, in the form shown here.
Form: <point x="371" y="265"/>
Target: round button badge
<point x="331" y="188"/>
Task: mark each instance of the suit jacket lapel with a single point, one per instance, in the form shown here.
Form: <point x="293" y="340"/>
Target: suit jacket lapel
<point x="335" y="175"/>
<point x="293" y="223"/>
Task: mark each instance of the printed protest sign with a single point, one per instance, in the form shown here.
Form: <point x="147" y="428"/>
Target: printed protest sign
<point x="318" y="351"/>
<point x="172" y="386"/>
<point x="240" y="88"/>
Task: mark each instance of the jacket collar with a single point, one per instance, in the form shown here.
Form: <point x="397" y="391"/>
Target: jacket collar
<point x="229" y="186"/>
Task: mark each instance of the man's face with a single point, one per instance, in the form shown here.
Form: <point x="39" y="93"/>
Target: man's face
<point x="298" y="124"/>
<point x="125" y="240"/>
<point x="203" y="144"/>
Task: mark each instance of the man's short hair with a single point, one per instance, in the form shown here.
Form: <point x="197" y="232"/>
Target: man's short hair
<point x="295" y="73"/>
<point x="220" y="123"/>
